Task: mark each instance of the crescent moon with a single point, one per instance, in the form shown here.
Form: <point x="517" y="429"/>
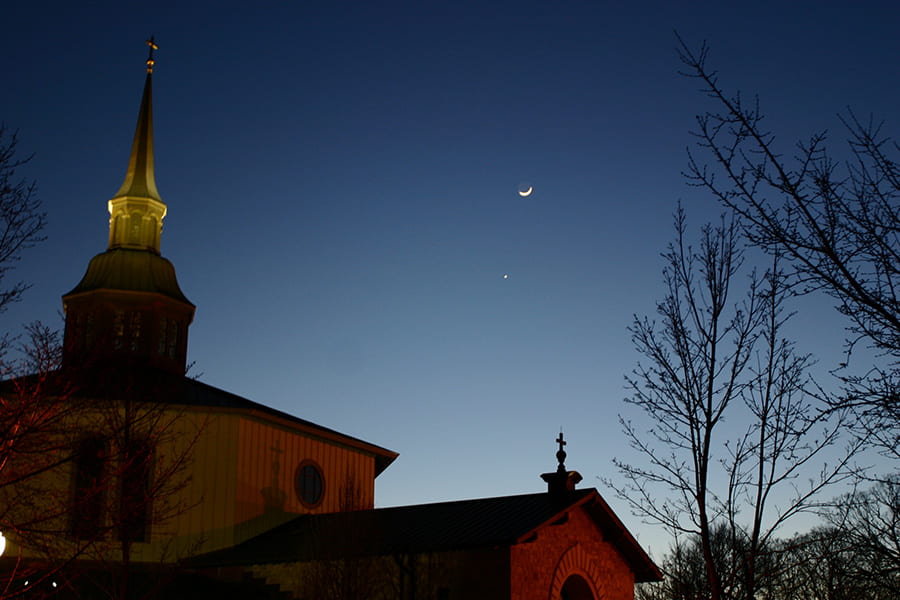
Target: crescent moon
<point x="526" y="193"/>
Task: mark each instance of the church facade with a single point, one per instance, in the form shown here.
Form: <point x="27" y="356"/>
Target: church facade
<point x="183" y="489"/>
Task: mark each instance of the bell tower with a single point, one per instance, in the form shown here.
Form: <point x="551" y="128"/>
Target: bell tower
<point x="128" y="306"/>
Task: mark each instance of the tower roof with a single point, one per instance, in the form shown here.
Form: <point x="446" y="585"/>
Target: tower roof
<point x="133" y="271"/>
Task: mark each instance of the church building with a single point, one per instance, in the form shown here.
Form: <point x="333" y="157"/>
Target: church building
<point x="181" y="489"/>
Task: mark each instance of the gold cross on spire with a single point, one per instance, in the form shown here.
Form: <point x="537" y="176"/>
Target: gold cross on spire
<point x="150" y="62"/>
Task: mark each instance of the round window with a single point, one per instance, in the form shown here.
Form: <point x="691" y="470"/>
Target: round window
<point x="309" y="484"/>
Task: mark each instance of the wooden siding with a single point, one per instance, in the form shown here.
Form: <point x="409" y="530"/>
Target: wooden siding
<point x="239" y="459"/>
<point x="207" y="521"/>
<point x="218" y="499"/>
<point x="270" y="455"/>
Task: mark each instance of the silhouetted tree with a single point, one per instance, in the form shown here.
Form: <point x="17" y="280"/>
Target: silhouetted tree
<point x="33" y="443"/>
<point x="685" y="573"/>
<point x="835" y="222"/>
<point x="821" y="564"/>
<point x="84" y="477"/>
<point x="29" y="419"/>
<point x="868" y="522"/>
<point x="21" y="219"/>
<point x="148" y="448"/>
<point x="710" y="359"/>
<point x="818" y="564"/>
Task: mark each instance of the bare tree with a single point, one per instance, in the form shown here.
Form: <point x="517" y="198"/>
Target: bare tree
<point x="33" y="444"/>
<point x="816" y="564"/>
<point x="684" y="571"/>
<point x="709" y="360"/>
<point x="684" y="567"/>
<point x="30" y="420"/>
<point x="87" y="471"/>
<point x="835" y="222"/>
<point x="868" y="522"/>
<point x="85" y="476"/>
<point x="21" y="219"/>
<point x="823" y="563"/>
<point x="124" y="464"/>
<point x="834" y="563"/>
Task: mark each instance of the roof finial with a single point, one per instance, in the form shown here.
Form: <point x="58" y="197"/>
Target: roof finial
<point x="561" y="481"/>
<point x="150" y="62"/>
<point x="561" y="454"/>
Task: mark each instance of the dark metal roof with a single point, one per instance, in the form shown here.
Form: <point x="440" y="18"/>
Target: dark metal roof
<point x="197" y="393"/>
<point x="445" y="526"/>
<point x="147" y="384"/>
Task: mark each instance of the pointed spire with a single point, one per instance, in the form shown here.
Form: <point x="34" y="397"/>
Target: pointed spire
<point x="136" y="211"/>
<point x="140" y="181"/>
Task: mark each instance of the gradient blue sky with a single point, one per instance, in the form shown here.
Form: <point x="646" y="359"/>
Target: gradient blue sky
<point x="341" y="181"/>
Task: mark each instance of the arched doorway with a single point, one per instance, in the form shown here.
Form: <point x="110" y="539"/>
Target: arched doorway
<point x="576" y="588"/>
<point x="577" y="576"/>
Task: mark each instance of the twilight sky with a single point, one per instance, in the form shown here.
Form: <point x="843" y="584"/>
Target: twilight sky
<point x="342" y="177"/>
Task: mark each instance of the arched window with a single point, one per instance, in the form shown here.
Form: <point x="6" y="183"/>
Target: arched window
<point x="172" y="338"/>
<point x="134" y="330"/>
<point x="161" y="336"/>
<point x="89" y="488"/>
<point x="167" y="344"/>
<point x="134" y="493"/>
<point x="118" y="329"/>
<point x="576" y="588"/>
<point x="89" y="331"/>
<point x="134" y="227"/>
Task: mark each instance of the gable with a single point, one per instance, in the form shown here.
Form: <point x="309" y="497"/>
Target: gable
<point x="571" y="546"/>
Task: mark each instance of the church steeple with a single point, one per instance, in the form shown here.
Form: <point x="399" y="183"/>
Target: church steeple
<point x="128" y="305"/>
